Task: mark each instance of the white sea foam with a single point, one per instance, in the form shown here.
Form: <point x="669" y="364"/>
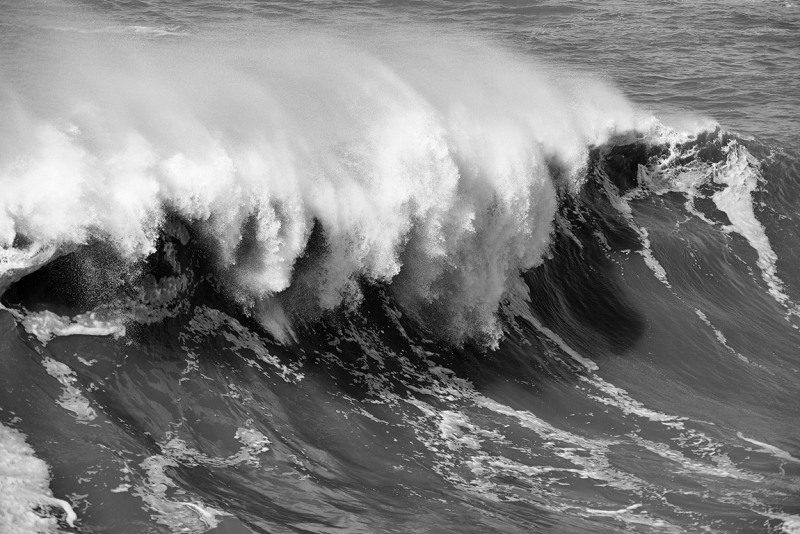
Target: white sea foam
<point x="178" y="514"/>
<point x="153" y="301"/>
<point x="253" y="443"/>
<point x="740" y="174"/>
<point x="555" y="338"/>
<point x="46" y="325"/>
<point x="429" y="171"/>
<point x="208" y="320"/>
<point x="621" y="204"/>
<point x="24" y="488"/>
<point x="71" y="398"/>
<point x="775" y="451"/>
<point x="719" y="335"/>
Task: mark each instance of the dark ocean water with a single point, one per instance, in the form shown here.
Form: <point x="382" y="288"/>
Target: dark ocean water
<point x="399" y="267"/>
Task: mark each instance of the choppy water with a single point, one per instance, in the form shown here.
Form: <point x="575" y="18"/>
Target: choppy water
<point x="399" y="267"/>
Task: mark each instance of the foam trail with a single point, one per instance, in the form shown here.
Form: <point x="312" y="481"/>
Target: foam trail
<point x="46" y="325"/>
<point x="71" y="398"/>
<point x="740" y="174"/>
<point x="790" y="523"/>
<point x="720" y="336"/>
<point x="775" y="451"/>
<point x="621" y="204"/>
<point x="555" y="338"/>
<point x="429" y="172"/>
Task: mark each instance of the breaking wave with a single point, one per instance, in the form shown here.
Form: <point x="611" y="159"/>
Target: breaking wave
<point x="340" y="273"/>
<point x="306" y="164"/>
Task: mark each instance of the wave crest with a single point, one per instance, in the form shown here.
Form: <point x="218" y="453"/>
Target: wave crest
<point x="434" y="173"/>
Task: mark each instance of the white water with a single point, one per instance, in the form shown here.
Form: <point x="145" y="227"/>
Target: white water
<point x="428" y="171"/>
<point x="24" y="487"/>
<point x="740" y="174"/>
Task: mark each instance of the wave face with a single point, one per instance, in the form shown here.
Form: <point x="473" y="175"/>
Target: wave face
<point x="314" y="269"/>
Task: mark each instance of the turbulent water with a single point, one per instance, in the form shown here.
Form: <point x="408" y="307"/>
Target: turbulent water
<point x="432" y="267"/>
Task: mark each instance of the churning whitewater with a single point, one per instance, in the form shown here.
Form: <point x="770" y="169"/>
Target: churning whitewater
<point x="375" y="270"/>
<point x="435" y="173"/>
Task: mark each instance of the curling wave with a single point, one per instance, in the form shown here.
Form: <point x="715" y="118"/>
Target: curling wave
<point x="306" y="163"/>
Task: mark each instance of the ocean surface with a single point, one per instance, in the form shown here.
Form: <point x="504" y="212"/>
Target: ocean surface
<point x="409" y="267"/>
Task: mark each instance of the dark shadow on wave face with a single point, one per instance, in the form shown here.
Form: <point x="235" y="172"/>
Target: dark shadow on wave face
<point x="577" y="291"/>
<point x="577" y="295"/>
